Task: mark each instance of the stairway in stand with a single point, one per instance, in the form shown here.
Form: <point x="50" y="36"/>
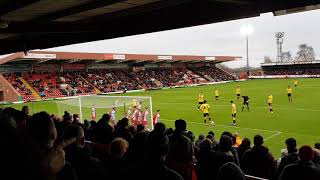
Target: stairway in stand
<point x="96" y="89"/>
<point x="34" y="93"/>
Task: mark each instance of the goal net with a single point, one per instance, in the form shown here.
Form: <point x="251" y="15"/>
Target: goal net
<point x="124" y="106"/>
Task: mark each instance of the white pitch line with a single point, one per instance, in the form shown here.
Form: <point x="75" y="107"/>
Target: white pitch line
<point x="267" y="138"/>
<point x="229" y="126"/>
<point x="261" y="107"/>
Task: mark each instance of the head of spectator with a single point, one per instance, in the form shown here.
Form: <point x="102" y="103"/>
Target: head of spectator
<point x="123" y="123"/>
<point x="291" y="145"/>
<point x="199" y="140"/>
<point x="180" y="125"/>
<point x="25" y="110"/>
<point x="169" y="131"/>
<point x="246" y="143"/>
<point x="118" y="148"/>
<point x="74" y="132"/>
<point x="86" y="124"/>
<point x="92" y="124"/>
<point x="206" y="144"/>
<point x="306" y="154"/>
<point x="225" y="143"/>
<point x="76" y="118"/>
<point x="140" y="128"/>
<point x="190" y="135"/>
<point x="230" y="171"/>
<point x="133" y="130"/>
<point x="317" y="146"/>
<point x="158" y="143"/>
<point x="42" y="129"/>
<point x="209" y="136"/>
<point x="67" y="117"/>
<point x="211" y="133"/>
<point x="227" y="133"/>
<point x="258" y="140"/>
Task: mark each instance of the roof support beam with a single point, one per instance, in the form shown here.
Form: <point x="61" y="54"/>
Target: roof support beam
<point x="77" y="9"/>
<point x="15" y="4"/>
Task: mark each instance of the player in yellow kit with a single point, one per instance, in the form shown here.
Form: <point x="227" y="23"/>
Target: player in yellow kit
<point x="216" y="93"/>
<point x="289" y="92"/>
<point x="200" y="99"/>
<point x="205" y="110"/>
<point x="270" y="101"/>
<point x="238" y="92"/>
<point x="233" y="112"/>
<point x="295" y="83"/>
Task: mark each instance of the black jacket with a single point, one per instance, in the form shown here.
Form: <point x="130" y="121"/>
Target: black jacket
<point x="259" y="162"/>
<point x="300" y="171"/>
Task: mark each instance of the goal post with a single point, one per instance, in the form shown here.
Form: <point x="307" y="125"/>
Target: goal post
<point x="103" y="104"/>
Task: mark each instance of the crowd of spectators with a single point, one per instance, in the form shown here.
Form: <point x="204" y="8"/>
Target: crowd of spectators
<point x="111" y="81"/>
<point x="76" y="82"/>
<point x="14" y="80"/>
<point x="44" y="146"/>
<point x="214" y="74"/>
<point x="52" y="84"/>
<point x="293" y="71"/>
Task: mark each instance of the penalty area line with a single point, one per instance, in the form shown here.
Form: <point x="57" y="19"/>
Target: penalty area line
<point x="236" y="127"/>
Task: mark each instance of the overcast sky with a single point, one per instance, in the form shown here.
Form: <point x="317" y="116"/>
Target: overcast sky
<point x="219" y="39"/>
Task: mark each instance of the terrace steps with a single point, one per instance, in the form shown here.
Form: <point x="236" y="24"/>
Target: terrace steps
<point x="34" y="93"/>
<point x="96" y="89"/>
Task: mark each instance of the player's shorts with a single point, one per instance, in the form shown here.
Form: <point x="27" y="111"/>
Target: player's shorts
<point x="205" y="114"/>
<point x="246" y="103"/>
<point x="295" y="85"/>
<point x="217" y="96"/>
<point x="238" y="95"/>
<point x="200" y="102"/>
<point x="234" y="114"/>
<point x="289" y="94"/>
<point x="270" y="104"/>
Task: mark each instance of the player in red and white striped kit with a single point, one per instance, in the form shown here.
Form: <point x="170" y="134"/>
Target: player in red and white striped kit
<point x="145" y="116"/>
<point x="113" y="116"/>
<point x="135" y="116"/>
<point x="93" y="113"/>
<point x="156" y="117"/>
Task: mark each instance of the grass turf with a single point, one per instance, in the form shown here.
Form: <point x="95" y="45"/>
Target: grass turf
<point x="299" y="119"/>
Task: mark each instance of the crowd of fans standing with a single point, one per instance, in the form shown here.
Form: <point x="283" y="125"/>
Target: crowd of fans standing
<point x="44" y="146"/>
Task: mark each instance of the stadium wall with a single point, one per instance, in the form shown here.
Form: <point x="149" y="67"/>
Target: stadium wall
<point x="9" y="93"/>
<point x="283" y="76"/>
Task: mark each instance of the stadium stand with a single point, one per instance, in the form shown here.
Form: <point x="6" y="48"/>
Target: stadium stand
<point x="57" y="148"/>
<point x="53" y="85"/>
<point x="292" y="68"/>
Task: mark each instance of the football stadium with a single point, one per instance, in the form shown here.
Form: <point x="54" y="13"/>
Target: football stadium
<point x="81" y="115"/>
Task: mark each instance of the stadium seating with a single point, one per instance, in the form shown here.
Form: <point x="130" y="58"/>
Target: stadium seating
<point x="34" y="149"/>
<point x="53" y="85"/>
<point x="13" y="79"/>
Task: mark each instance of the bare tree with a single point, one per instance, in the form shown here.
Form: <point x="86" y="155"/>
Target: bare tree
<point x="305" y="53"/>
<point x="286" y="56"/>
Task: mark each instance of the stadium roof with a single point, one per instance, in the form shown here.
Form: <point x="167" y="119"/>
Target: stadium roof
<point x="39" y="24"/>
<point x="72" y="57"/>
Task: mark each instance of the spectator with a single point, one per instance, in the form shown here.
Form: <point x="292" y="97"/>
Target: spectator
<point x="181" y="152"/>
<point x="199" y="140"/>
<point x="258" y="161"/>
<point x="291" y="157"/>
<point x="140" y="128"/>
<point x="233" y="148"/>
<point x="214" y="141"/>
<point x="304" y="169"/>
<point x="102" y="131"/>
<point x="86" y="166"/>
<point x="206" y="159"/>
<point x="116" y="165"/>
<point x="244" y="146"/>
<point x="230" y="171"/>
<point x="223" y="155"/>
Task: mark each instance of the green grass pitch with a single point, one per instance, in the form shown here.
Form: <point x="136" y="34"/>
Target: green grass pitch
<point x="299" y="119"/>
